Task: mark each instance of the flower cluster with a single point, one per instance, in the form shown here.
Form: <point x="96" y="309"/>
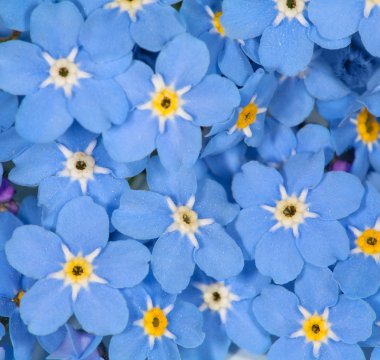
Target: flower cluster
<point x="206" y="176"/>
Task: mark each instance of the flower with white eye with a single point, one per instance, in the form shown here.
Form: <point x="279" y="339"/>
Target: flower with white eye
<point x="217" y="297"/>
<point x="290" y="211"/>
<point x="130" y="6"/>
<point x="185" y="220"/>
<point x="81" y="166"/>
<point x="64" y="72"/>
<point x="290" y="9"/>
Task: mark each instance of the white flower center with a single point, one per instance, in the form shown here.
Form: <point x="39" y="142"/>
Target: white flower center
<point x="290" y="211"/>
<point x="78" y="271"/>
<point x="186" y="221"/>
<point x="130" y="6"/>
<point x="166" y="102"/>
<point x="369" y="5"/>
<point x="64" y="72"/>
<point x="290" y="9"/>
<point x="81" y="166"/>
<point x="217" y="297"/>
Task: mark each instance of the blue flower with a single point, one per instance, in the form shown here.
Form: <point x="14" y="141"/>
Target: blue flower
<point x="339" y="20"/>
<point x="202" y="18"/>
<point x="188" y="219"/>
<point x="315" y="321"/>
<point x="170" y="107"/>
<point x="77" y="345"/>
<point x="291" y="219"/>
<point x="113" y="30"/>
<point x="158" y="324"/>
<point x="54" y="70"/>
<point x="359" y="275"/>
<point x="227" y="314"/>
<point x="248" y="121"/>
<point x="78" y="163"/>
<point x="279" y="20"/>
<point x="76" y="271"/>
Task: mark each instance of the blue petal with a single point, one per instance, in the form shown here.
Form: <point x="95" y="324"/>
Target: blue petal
<point x="156" y="25"/>
<point x="292" y="54"/>
<point x="211" y="202"/>
<point x="276" y="309"/>
<point x="11" y="144"/>
<point x="34" y="251"/>
<point x="327" y="43"/>
<point x="316" y="289"/>
<point x="195" y="17"/>
<point x="172" y="262"/>
<point x="101" y="310"/>
<point x="10" y="282"/>
<point x="336" y="20"/>
<point x="338" y="195"/>
<point x="341" y="351"/>
<point x="238" y="14"/>
<point x="352" y="320"/>
<point x="322" y="82"/>
<point x="8" y="223"/>
<point x="8" y="109"/>
<point x="36" y="163"/>
<point x="142" y="215"/>
<point x="185" y="322"/>
<point x="249" y="283"/>
<point x="178" y="185"/>
<point x="233" y="63"/>
<point x="244" y="330"/>
<point x="370" y="33"/>
<point x="303" y="171"/>
<point x="288" y="348"/>
<point x="22" y="67"/>
<point x="83" y="225"/>
<point x="123" y="263"/>
<point x="358" y="276"/>
<point x="97" y="104"/>
<point x="180" y="144"/>
<point x="212" y="101"/>
<point x="39" y="123"/>
<point x="251" y="224"/>
<point x="39" y="306"/>
<point x="184" y="61"/>
<point x="278" y="257"/>
<point x="291" y="103"/>
<point x="221" y="142"/>
<point x="313" y="138"/>
<point x="131" y="344"/>
<point x="105" y="35"/>
<point x="218" y="255"/>
<point x="55" y="27"/>
<point x="164" y="349"/>
<point x="16" y="14"/>
<point x="257" y="184"/>
<point x="322" y="243"/>
<point x="23" y="342"/>
<point x="134" y="140"/>
<point x="139" y="73"/>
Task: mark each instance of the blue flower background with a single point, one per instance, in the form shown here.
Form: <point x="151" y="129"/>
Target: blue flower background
<point x="189" y="179"/>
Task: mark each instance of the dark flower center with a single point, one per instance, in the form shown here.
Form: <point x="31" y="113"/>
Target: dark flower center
<point x="77" y="270"/>
<point x="372" y="241"/>
<point x="216" y="296"/>
<point x="64" y="72"/>
<point x="156" y="322"/>
<point x="290" y="211"/>
<point x="186" y="219"/>
<point x="80" y="165"/>
<point x="291" y="4"/>
<point x="315" y="329"/>
<point x="166" y="103"/>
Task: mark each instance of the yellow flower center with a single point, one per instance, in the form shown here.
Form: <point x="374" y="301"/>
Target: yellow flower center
<point x="368" y="127"/>
<point x="369" y="242"/>
<point x="217" y="25"/>
<point x="316" y="328"/>
<point x="18" y="297"/>
<point x="78" y="269"/>
<point x="166" y="102"/>
<point x="155" y="322"/>
<point x="247" y="116"/>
